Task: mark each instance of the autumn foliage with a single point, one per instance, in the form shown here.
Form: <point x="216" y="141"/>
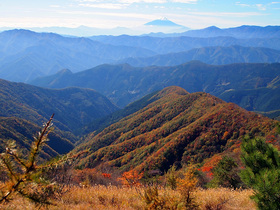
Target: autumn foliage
<point x="175" y="128"/>
<point x="131" y="178"/>
<point x="187" y="186"/>
<point x="106" y="175"/>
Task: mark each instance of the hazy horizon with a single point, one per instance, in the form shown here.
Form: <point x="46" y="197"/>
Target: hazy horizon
<point x="107" y="14"/>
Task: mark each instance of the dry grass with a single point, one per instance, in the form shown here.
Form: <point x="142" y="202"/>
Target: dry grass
<point x="222" y="198"/>
<point x="102" y="197"/>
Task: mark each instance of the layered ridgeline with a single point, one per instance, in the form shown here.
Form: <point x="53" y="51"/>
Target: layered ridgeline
<point x="210" y="55"/>
<point x="26" y="55"/>
<point x="186" y="42"/>
<point x="124" y="84"/>
<point x="174" y="128"/>
<point x="242" y="32"/>
<point x="24" y="108"/>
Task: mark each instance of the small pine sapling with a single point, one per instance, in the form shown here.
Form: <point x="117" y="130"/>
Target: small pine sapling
<point x="23" y="175"/>
<point x="171" y="178"/>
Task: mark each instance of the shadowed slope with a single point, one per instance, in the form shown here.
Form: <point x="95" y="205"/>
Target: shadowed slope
<point x="73" y="107"/>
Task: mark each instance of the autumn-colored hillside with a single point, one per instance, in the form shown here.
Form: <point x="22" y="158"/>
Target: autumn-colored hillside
<point x="175" y="128"/>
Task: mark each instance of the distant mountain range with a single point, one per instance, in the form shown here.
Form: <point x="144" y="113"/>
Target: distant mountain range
<point x="124" y="84"/>
<point x="241" y="32"/>
<point x="162" y="25"/>
<point x="25" y="55"/>
<point x="210" y="55"/>
<point x="164" y="28"/>
<point x="183" y="43"/>
<point x="175" y="127"/>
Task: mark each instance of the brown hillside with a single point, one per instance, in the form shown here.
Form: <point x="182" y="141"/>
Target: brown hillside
<point x="175" y="128"/>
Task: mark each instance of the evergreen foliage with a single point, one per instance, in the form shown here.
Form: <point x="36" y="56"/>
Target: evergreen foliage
<point x="171" y="178"/>
<point x="225" y="174"/>
<point x="22" y="132"/>
<point x="262" y="172"/>
<point x="23" y="174"/>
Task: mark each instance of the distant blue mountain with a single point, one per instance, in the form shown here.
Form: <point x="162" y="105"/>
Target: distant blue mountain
<point x="25" y="55"/>
<point x="210" y="55"/>
<point x="243" y="32"/>
<point x="162" y="22"/>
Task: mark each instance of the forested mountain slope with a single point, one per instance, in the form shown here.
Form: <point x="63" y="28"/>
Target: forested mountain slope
<point x="24" y="108"/>
<point x="174" y="128"/>
<point x="73" y="107"/>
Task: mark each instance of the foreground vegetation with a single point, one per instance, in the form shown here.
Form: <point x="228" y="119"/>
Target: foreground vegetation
<point x="113" y="197"/>
<point x="59" y="184"/>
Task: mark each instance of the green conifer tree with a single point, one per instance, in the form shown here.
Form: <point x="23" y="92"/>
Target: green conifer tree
<point x="23" y="174"/>
<point x="225" y="174"/>
<point x="262" y="172"/>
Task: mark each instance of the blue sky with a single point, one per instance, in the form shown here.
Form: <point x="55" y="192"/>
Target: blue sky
<point x="131" y="13"/>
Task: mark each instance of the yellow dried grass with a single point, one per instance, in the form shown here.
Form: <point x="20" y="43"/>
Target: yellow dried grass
<point x="223" y="198"/>
<point x="112" y="197"/>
